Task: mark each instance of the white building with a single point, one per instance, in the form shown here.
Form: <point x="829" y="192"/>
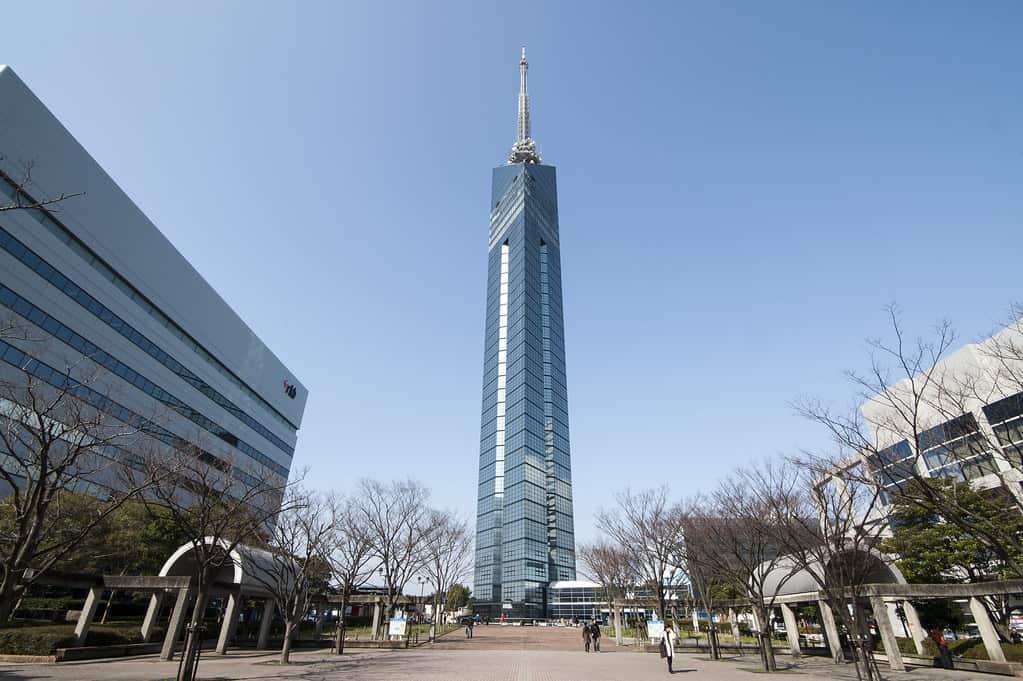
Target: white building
<point x="969" y="419"/>
<point x="111" y="296"/>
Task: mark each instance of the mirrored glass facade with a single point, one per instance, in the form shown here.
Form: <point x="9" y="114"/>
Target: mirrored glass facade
<point x="524" y="526"/>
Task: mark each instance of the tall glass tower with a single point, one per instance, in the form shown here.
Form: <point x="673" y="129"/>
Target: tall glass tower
<point x="524" y="533"/>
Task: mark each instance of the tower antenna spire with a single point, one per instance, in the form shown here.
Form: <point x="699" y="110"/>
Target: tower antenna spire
<point x="524" y="149"/>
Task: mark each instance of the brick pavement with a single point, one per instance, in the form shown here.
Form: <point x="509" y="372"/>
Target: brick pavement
<point x="494" y="654"/>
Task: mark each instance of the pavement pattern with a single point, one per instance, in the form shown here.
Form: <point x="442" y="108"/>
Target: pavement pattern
<point x="494" y="654"/>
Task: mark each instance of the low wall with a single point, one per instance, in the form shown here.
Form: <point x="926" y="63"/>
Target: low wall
<point x="125" y="650"/>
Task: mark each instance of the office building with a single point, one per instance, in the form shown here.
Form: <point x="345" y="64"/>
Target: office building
<point x="969" y="423"/>
<point x="103" y="293"/>
<point x="524" y="530"/>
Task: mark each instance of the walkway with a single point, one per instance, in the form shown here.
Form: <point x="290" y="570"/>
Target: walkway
<point x="494" y="654"/>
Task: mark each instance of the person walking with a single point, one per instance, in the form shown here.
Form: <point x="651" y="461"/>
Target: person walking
<point x="945" y="659"/>
<point x="586" y="636"/>
<point x="595" y="634"/>
<point x="468" y="628"/>
<point x="668" y="646"/>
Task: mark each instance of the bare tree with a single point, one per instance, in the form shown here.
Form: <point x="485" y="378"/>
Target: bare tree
<point x="56" y="443"/>
<point x="920" y="422"/>
<point x="652" y="526"/>
<point x="21" y="199"/>
<point x="396" y="516"/>
<point x="705" y="566"/>
<point x="912" y="399"/>
<point x="828" y="535"/>
<point x="348" y="552"/>
<point x="614" y="568"/>
<point x="733" y="532"/>
<point x="293" y="558"/>
<point x="219" y="503"/>
<point x="448" y="557"/>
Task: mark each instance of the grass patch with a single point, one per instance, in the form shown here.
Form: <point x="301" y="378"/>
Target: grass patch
<point x="45" y="639"/>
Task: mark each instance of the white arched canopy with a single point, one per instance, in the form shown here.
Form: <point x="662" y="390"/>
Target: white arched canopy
<point x="785" y="578"/>
<point x="248" y="567"/>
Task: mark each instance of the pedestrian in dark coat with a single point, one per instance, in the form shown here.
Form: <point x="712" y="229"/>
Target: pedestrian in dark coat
<point x="587" y="634"/>
<point x="595" y="633"/>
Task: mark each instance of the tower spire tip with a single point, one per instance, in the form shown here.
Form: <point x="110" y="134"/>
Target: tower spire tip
<point x="524" y="149"/>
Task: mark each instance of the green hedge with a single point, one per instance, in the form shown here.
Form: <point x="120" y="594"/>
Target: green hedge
<point x="44" y="640"/>
<point x="973" y="649"/>
<point x="906" y="645"/>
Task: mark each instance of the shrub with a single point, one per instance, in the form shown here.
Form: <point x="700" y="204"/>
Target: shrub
<point x="906" y="645"/>
<point x="973" y="649"/>
<point x="44" y="640"/>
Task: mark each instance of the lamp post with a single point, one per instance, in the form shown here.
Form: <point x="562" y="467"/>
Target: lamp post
<point x="383" y="625"/>
<point x="422" y="583"/>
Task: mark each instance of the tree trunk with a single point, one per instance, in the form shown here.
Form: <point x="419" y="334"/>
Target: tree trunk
<point x="760" y="616"/>
<point x="339" y="644"/>
<point x="289" y="632"/>
<point x="762" y="649"/>
<point x="8" y="599"/>
<point x="106" y="610"/>
<point x="193" y="640"/>
<point x="772" y="664"/>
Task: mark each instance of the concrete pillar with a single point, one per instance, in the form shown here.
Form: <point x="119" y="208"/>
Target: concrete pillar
<point x="617" y="614"/>
<point x="88" y="612"/>
<point x="321" y="612"/>
<point x="152" y="614"/>
<point x="377" y="608"/>
<point x="987" y="631"/>
<point x="916" y="629"/>
<point x="791" y="629"/>
<point x="230" y="622"/>
<point x="831" y="631"/>
<point x="887" y="631"/>
<point x="176" y="624"/>
<point x="264" y="624"/>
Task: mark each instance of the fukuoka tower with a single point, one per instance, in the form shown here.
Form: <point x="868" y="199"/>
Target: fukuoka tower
<point x="524" y="526"/>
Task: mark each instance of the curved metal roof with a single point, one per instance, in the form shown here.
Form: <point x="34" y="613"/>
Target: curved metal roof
<point x="250" y="567"/>
<point x="784" y="576"/>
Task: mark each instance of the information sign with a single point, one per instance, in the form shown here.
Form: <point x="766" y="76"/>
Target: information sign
<point x="397" y="627"/>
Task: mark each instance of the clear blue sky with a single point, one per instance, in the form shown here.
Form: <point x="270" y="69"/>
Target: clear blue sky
<point x="743" y="186"/>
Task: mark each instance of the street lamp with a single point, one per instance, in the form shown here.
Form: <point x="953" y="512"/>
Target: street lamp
<point x="422" y="583"/>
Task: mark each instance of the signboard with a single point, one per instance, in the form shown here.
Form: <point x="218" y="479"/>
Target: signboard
<point x="655" y="629"/>
<point x="397" y="627"/>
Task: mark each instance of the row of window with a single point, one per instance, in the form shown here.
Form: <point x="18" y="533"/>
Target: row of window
<point x="44" y="217"/>
<point x="12" y="300"/>
<point x="62" y="381"/>
<point x="32" y="260"/>
<point x="1004" y="409"/>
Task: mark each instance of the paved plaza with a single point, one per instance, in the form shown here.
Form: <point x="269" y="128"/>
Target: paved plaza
<point x="494" y="654"/>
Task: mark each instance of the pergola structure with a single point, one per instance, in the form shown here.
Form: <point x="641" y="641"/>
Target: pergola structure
<point x="888" y="596"/>
<point x="244" y="575"/>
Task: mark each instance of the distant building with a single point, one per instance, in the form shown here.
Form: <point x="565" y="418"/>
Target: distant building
<point x="110" y="295"/>
<point x="582" y="600"/>
<point x="524" y="525"/>
<point x="970" y="422"/>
